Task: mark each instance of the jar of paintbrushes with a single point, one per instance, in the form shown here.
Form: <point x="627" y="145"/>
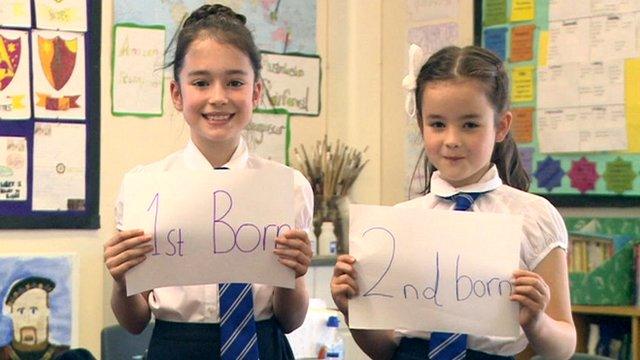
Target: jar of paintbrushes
<point x="332" y="169"/>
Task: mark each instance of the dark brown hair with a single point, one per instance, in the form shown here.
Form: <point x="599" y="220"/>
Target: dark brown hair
<point x="224" y="25"/>
<point x="475" y="63"/>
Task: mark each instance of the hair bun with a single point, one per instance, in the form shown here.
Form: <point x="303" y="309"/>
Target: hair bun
<point x="217" y="11"/>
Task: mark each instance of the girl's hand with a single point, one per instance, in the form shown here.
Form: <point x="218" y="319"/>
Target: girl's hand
<point x="125" y="250"/>
<point x="343" y="282"/>
<point x="533" y="294"/>
<point x="294" y="251"/>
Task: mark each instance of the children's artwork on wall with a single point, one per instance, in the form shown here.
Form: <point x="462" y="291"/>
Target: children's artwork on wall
<point x="277" y="26"/>
<point x="49" y="83"/>
<point x="15" y="13"/>
<point x="13" y="168"/>
<point x="58" y="75"/>
<point x="291" y="82"/>
<point x="58" y="167"/>
<point x="15" y="96"/>
<point x="137" y="81"/>
<point x="66" y="15"/>
<point x="268" y="135"/>
<point x="39" y="301"/>
<point x="574" y="71"/>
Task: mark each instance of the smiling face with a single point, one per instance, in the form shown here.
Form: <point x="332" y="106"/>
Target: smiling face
<point x="216" y="93"/>
<point x="459" y="129"/>
<point x="30" y="316"/>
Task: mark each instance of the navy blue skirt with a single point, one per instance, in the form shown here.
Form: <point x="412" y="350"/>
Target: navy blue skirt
<point x="194" y="341"/>
<point x="418" y="349"/>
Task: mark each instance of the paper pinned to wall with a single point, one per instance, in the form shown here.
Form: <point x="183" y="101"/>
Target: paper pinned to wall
<point x="522" y="43"/>
<point x="523" y="10"/>
<point x="291" y="82"/>
<point x="523" y="84"/>
<point x="267" y="135"/>
<point x="58" y="68"/>
<point x="137" y="76"/>
<point x="569" y="34"/>
<point x="15" y="13"/>
<point x="428" y="10"/>
<point x="522" y="124"/>
<point x="55" y="273"/>
<point x="13" y="168"/>
<point x="67" y="15"/>
<point x="429" y="270"/>
<point x="563" y="130"/>
<point x="59" y="167"/>
<point x="15" y="91"/>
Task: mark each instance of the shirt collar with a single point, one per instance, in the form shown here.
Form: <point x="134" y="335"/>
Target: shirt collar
<point x="489" y="181"/>
<point x="195" y="160"/>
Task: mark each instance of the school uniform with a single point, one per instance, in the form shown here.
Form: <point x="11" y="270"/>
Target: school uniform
<point x="543" y="231"/>
<point x="187" y="317"/>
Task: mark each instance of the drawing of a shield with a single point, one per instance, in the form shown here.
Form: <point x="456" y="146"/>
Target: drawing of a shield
<point x="58" y="58"/>
<point x="9" y="60"/>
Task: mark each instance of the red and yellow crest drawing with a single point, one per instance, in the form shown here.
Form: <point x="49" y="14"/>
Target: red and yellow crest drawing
<point x="58" y="58"/>
<point x="9" y="60"/>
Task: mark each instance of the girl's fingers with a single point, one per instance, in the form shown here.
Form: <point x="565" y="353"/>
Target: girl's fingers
<point x="300" y="244"/>
<point x="293" y="255"/>
<point x="526" y="302"/>
<point x="346" y="280"/>
<point x="127" y="244"/>
<point x="344" y="268"/>
<point x="294" y="265"/>
<point x="117" y="260"/>
<point x="119" y="271"/>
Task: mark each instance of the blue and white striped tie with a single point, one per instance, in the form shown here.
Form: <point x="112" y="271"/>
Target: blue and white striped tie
<point x="238" y="337"/>
<point x="448" y="346"/>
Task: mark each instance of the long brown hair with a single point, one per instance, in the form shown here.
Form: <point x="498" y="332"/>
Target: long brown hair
<point x="474" y="63"/>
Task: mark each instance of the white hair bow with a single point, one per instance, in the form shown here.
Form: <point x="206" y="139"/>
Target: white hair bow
<point x="416" y="60"/>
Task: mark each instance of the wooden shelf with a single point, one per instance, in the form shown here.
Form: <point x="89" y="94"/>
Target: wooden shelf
<point x="607" y="310"/>
<point x="581" y="315"/>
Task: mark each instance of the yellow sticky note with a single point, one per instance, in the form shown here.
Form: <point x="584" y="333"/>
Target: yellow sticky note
<point x="523" y="10"/>
<point x="522" y="79"/>
<point x="632" y="103"/>
<point x="543" y="48"/>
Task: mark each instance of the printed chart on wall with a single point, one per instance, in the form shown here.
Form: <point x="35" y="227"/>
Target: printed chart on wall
<point x="49" y="114"/>
<point x="574" y="67"/>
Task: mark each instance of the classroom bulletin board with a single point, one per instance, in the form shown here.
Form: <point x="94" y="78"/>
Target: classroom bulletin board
<point x="49" y="114"/>
<point x="574" y="69"/>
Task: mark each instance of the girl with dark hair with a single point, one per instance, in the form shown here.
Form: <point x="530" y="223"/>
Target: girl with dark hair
<point x="460" y="100"/>
<point x="216" y="86"/>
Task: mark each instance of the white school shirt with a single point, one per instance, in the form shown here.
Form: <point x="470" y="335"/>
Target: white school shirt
<point x="543" y="231"/>
<point x="199" y="303"/>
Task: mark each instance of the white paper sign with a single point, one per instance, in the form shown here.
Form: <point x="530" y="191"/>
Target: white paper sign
<point x="434" y="270"/>
<point x="292" y="82"/>
<point x="138" y="60"/>
<point x="209" y="227"/>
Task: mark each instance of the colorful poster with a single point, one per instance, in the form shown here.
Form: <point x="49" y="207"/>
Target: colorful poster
<point x="39" y="302"/>
<point x="63" y="15"/>
<point x="13" y="168"/>
<point x="137" y="77"/>
<point x="58" y="75"/>
<point x="15" y="94"/>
